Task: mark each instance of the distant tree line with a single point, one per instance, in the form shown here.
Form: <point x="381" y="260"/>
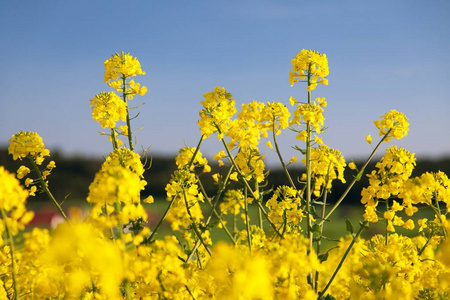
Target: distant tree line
<point x="72" y="176"/>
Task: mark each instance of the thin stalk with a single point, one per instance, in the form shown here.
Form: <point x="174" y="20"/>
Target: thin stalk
<point x="387" y="223"/>
<point x="277" y="150"/>
<point x="194" y="226"/>
<point x="325" y="196"/>
<point x="308" y="177"/>
<point x="260" y="219"/>
<point x="126" y="283"/>
<point x="247" y="221"/>
<point x="195" y="152"/>
<point x="234" y="226"/>
<point x="113" y="236"/>
<point x="46" y="190"/>
<point x="208" y="220"/>
<point x="363" y="226"/>
<point x="13" y="260"/>
<point x="357" y="177"/>
<point x="438" y="212"/>
<point x="173" y="200"/>
<point x="424" y="246"/>
<point x="114" y="140"/>
<point x="189" y="291"/>
<point x="124" y="97"/>
<point x="162" y="219"/>
<point x="248" y="187"/>
<point x="213" y="210"/>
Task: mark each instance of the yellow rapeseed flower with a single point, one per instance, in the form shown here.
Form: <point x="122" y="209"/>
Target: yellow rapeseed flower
<point x="107" y="109"/>
<point x="122" y="65"/>
<point x="309" y="63"/>
<point x="218" y="108"/>
<point x="114" y="184"/>
<point x="12" y="202"/>
<point x="26" y="143"/>
<point x="395" y="123"/>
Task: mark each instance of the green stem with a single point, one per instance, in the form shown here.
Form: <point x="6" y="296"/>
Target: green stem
<point x="124" y="97"/>
<point x="126" y="283"/>
<point x="173" y="200"/>
<point x="247" y="221"/>
<point x="234" y="226"/>
<point x="325" y="196"/>
<point x="362" y="227"/>
<point x="213" y="210"/>
<point x="113" y="137"/>
<point x="438" y="211"/>
<point x="277" y="150"/>
<point x="11" y="245"/>
<point x="195" y="152"/>
<point x="46" y="190"/>
<point x="260" y="219"/>
<point x="357" y="178"/>
<point x="194" y="226"/>
<point x="161" y="220"/>
<point x="249" y="188"/>
<point x="127" y="287"/>
<point x="387" y="223"/>
<point x="424" y="246"/>
<point x="308" y="177"/>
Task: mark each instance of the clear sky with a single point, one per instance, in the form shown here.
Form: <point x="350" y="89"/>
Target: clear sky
<point x="382" y="55"/>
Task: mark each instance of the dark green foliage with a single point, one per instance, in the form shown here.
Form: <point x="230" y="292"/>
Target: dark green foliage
<point x="72" y="176"/>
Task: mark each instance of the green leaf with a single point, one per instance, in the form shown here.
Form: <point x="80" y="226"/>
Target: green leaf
<point x="302" y="151"/>
<point x="364" y="224"/>
<point x="316" y="228"/>
<point x="323" y="257"/>
<point x="349" y="226"/>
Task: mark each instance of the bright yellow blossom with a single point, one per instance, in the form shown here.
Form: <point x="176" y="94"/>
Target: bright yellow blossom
<point x="115" y="184"/>
<point x="352" y="166"/>
<point x="107" y="109"/>
<point x="22" y="172"/>
<point x="218" y="108"/>
<point x="121" y="65"/>
<point x="395" y="123"/>
<point x="26" y="143"/>
<point x="311" y="64"/>
<point x="12" y="202"/>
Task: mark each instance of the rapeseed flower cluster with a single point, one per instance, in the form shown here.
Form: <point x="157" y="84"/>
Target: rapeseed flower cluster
<point x="184" y="191"/>
<point x="394" y="169"/>
<point x="121" y="65"/>
<point x="26" y="143"/>
<point x="112" y="253"/>
<point x="184" y="158"/>
<point x="107" y="109"/>
<point x="218" y="108"/>
<point x="12" y="205"/>
<point x="285" y="206"/>
<point x="311" y="65"/>
<point x="394" y="124"/>
<point x="310" y="114"/>
<point x="326" y="165"/>
<point x="30" y="145"/>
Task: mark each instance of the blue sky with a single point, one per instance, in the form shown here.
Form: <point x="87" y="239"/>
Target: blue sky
<point x="382" y="55"/>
